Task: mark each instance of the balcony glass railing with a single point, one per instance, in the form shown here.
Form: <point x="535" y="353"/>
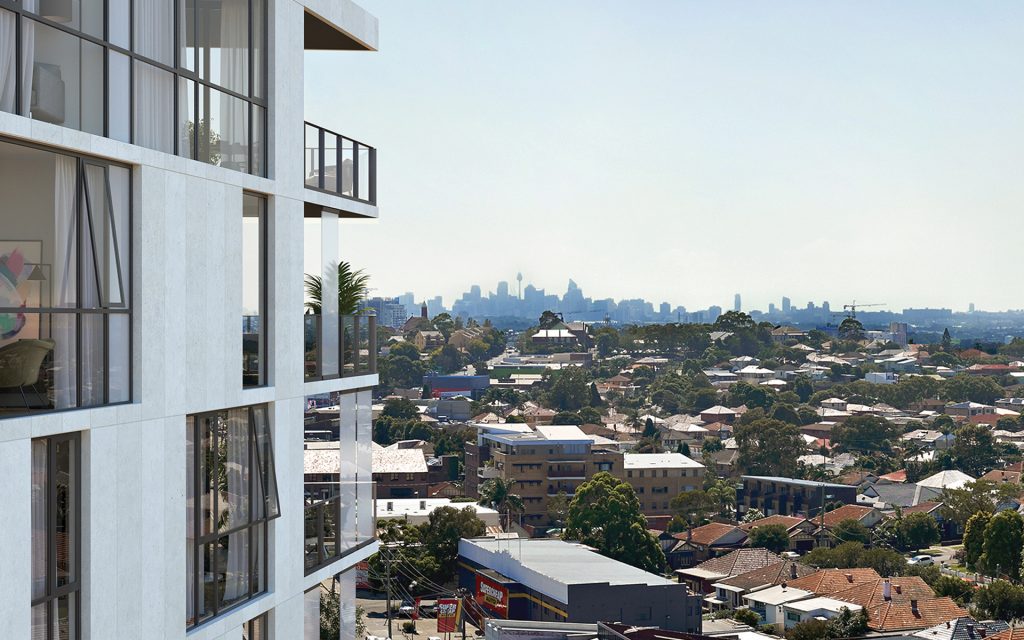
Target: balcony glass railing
<point x="326" y="151"/>
<point x="357" y="347"/>
<point x="338" y="525"/>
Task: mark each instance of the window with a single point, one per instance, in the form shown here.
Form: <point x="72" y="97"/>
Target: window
<point x="56" y="544"/>
<point x="629" y="474"/>
<point x="110" y="68"/>
<point x="254" y="279"/>
<point x="256" y="629"/>
<point x="231" y="496"/>
<point x="792" y="617"/>
<point x="664" y="473"/>
<point x="65" y="308"/>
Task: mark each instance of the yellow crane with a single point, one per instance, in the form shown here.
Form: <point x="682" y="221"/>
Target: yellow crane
<point x="853" y="306"/>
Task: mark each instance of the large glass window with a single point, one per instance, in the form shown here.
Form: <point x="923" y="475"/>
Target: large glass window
<point x="122" y="84"/>
<point x="231" y="497"/>
<point x="65" y="266"/>
<point x="56" y="544"/>
<point x="254" y="307"/>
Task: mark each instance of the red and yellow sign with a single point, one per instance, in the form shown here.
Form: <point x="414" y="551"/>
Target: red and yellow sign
<point x="448" y="610"/>
<point x="492" y="596"/>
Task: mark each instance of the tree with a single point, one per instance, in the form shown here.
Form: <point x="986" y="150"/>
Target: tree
<point x="772" y="537"/>
<point x="863" y="433"/>
<point x="851" y="329"/>
<point x="768" y="447"/>
<point x="497" y="493"/>
<point x="747" y="617"/>
<point x="694" y="506"/>
<point x="785" y="413"/>
<point x="567" y="417"/>
<point x="847" y="624"/>
<point x="947" y="340"/>
<point x="919" y="530"/>
<point x="1000" y="600"/>
<point x="404" y="348"/>
<point x="1001" y="550"/>
<point x="974" y="539"/>
<point x="803" y="387"/>
<point x="548" y="320"/>
<point x="650" y="430"/>
<point x="606" y="339"/>
<point x="812" y="629"/>
<point x="447" y="359"/>
<point x="400" y="408"/>
<point x="352" y="288"/>
<point x="885" y="561"/>
<point x="960" y="504"/>
<point x="850" y="530"/>
<point x="401" y="371"/>
<point x="330" y="613"/>
<point x="569" y="389"/>
<point x="960" y="590"/>
<point x="441" y="534"/>
<point x="974" y="450"/>
<point x="444" y="323"/>
<point x="558" y="509"/>
<point x="605" y="514"/>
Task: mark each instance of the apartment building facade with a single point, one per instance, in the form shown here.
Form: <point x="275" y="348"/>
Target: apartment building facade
<point x="161" y="201"/>
<point x="549" y="460"/>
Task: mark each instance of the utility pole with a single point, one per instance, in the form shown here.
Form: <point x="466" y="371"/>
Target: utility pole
<point x="387" y="587"/>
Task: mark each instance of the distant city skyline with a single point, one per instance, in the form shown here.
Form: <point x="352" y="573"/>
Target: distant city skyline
<point x="685" y="151"/>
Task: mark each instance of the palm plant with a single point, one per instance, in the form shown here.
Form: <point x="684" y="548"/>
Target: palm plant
<point x="497" y="493"/>
<point x="352" y="288"/>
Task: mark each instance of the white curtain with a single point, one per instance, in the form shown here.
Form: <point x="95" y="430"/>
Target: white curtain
<point x="65" y="273"/>
<point x="154" y="108"/>
<point x="235" y="498"/>
<point x="190" y="520"/>
<point x="9" y="59"/>
<point x="234" y="69"/>
<point x="154" y="30"/>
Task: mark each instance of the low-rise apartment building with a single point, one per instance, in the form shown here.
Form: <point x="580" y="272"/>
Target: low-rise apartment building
<point x="789" y="496"/>
<point x="659" y="477"/>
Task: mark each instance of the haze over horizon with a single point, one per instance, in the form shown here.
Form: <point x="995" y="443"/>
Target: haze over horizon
<point x="684" y="152"/>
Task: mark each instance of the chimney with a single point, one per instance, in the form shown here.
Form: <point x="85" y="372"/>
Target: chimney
<point x="970" y="629"/>
<point x="899" y="588"/>
<point x="914" y="609"/>
<point x="689" y="534"/>
<point x="982" y="631"/>
<point x="784" y="585"/>
<point x="886" y="590"/>
<point x="947" y="624"/>
<point x="792" y="571"/>
<point x="849" y="578"/>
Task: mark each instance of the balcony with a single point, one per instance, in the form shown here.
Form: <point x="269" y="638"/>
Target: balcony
<point x="566" y="474"/>
<point x="356" y="344"/>
<point x="325" y="151"/>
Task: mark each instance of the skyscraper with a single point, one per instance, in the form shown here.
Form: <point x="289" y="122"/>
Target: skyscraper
<point x="787" y="305"/>
<point x="736" y="303"/>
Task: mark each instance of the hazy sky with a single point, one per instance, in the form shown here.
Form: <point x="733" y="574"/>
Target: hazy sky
<point x="686" y="151"/>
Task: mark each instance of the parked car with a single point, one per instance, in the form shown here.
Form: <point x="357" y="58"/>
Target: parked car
<point x="790" y="555"/>
<point x="921" y="561"/>
<point x="407" y="610"/>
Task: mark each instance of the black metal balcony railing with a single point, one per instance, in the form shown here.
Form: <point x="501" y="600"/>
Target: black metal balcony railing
<point x="326" y="151"/>
<point x="357" y="347"/>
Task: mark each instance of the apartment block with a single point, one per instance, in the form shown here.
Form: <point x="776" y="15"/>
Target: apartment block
<point x="659" y="477"/>
<point x="161" y="375"/>
<point x="553" y="459"/>
<point x="791" y="497"/>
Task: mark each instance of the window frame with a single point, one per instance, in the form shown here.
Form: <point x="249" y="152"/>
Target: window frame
<point x="83" y="207"/>
<point x="253" y="526"/>
<point x="264" y="275"/>
<point x="71" y="588"/>
<point x="253" y="100"/>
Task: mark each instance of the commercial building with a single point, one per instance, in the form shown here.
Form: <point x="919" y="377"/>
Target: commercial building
<point x="417" y="511"/>
<point x="163" y="199"/>
<point x="557" y="581"/>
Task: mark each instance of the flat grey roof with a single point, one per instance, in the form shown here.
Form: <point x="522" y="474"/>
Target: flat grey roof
<point x="797" y="482"/>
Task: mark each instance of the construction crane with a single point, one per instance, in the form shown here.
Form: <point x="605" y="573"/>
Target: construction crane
<point x="852" y="307"/>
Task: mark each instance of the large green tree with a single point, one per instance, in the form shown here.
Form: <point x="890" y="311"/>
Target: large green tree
<point x="919" y="530"/>
<point x="974" y="539"/>
<point x="864" y="434"/>
<point x="441" y="534"/>
<point x="974" y="451"/>
<point x="1000" y="600"/>
<point x="569" y="389"/>
<point x="850" y="530"/>
<point x="772" y="537"/>
<point x="768" y="447"/>
<point x="1001" y="550"/>
<point x="605" y="514"/>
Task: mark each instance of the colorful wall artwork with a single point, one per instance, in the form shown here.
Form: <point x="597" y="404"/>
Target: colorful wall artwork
<point x="18" y="258"/>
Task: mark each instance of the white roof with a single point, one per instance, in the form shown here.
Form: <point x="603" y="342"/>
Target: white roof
<point x="659" y="461"/>
<point x="719" y="410"/>
<point x="554" y="333"/>
<point x="394" y="460"/>
<point x="826" y="604"/>
<point x="951" y="479"/>
<point x="412" y="507"/>
<point x="753" y="369"/>
<point x="549" y="566"/>
<point x="778" y="595"/>
<point x="562" y="432"/>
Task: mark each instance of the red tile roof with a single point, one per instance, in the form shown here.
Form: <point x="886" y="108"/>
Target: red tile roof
<point x="769" y="576"/>
<point x="708" y="534"/>
<point x="925" y="507"/>
<point x="901" y="616"/>
<point x="846" y="512"/>
<point x="895" y="476"/>
<point x="1002" y="475"/>
<point x="829" y="581"/>
<point x="1016" y="633"/>
<point x="740" y="561"/>
<point x="871" y="593"/>
<point x="787" y="521"/>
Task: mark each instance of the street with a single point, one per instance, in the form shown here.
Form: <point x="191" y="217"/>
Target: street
<point x="375" y="618"/>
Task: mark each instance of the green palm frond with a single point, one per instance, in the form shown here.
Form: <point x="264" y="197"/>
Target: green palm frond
<point x="353" y="285"/>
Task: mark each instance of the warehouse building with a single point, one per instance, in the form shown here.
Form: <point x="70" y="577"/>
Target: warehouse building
<point x="558" y="581"/>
